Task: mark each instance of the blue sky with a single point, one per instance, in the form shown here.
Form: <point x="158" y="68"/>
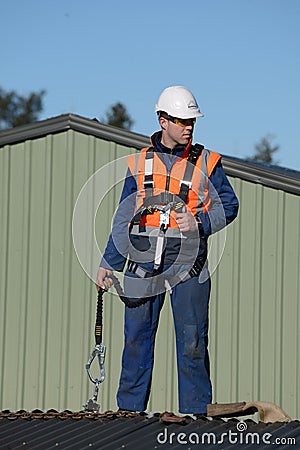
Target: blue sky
<point x="241" y="59"/>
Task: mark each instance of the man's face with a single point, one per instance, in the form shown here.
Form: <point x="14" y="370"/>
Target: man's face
<point x="176" y="133"/>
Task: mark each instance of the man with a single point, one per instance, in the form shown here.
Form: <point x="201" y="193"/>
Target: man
<point x="174" y="197"/>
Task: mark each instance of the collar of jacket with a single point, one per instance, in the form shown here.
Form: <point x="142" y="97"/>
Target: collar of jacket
<point x="178" y="150"/>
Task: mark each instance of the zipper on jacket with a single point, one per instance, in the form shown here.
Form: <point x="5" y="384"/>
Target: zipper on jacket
<point x="169" y="172"/>
<point x="168" y="180"/>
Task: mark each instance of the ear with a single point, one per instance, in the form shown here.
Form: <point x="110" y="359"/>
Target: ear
<point x="163" y="122"/>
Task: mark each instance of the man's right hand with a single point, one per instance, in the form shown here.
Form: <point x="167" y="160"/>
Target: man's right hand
<point x="103" y="279"/>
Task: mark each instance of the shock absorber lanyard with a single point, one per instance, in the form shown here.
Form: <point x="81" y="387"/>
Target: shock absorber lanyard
<point x="99" y="353"/>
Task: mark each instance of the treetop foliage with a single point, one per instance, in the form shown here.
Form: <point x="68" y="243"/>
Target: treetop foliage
<point x="264" y="150"/>
<point x="16" y="109"/>
<point x="118" y="116"/>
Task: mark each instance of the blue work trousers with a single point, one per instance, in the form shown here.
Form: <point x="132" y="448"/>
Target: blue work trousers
<point x="189" y="300"/>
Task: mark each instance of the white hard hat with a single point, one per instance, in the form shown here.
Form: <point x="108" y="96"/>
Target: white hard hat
<point x="179" y="102"/>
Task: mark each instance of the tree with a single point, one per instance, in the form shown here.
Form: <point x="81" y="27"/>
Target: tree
<point x="118" y="116"/>
<point x="264" y="150"/>
<point x="17" y="110"/>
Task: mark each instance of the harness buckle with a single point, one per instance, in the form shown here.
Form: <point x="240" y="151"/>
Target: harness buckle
<point x="133" y="267"/>
<point x="148" y="184"/>
<point x="185" y="183"/>
<point x="164" y="218"/>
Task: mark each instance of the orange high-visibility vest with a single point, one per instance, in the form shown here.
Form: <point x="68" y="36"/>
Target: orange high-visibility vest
<point x="195" y="199"/>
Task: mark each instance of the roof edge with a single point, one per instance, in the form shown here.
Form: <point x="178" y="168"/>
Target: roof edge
<point x="272" y="176"/>
<point x="276" y="177"/>
<point x="73" y="122"/>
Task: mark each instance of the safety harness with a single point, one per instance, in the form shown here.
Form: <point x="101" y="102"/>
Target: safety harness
<point x="165" y="202"/>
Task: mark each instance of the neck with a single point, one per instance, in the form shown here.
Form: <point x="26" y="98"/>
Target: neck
<point x="167" y="142"/>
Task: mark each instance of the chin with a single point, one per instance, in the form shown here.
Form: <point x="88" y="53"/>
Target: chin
<point x="186" y="140"/>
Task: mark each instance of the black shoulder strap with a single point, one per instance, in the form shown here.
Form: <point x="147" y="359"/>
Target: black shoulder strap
<point x="195" y="152"/>
<point x="186" y="183"/>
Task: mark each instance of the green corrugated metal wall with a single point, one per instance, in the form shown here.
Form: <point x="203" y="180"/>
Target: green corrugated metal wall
<point x="47" y="305"/>
<point x="255" y="310"/>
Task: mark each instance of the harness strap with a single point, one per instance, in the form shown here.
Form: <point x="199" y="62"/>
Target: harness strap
<point x="148" y="179"/>
<point x="163" y="202"/>
<point x="130" y="303"/>
<point x="195" y="270"/>
<point x="186" y="183"/>
<point x="159" y="247"/>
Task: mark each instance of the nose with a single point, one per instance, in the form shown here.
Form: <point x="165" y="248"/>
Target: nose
<point x="189" y="127"/>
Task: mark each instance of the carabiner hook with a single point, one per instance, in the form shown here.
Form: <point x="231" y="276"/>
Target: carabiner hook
<point x="99" y="352"/>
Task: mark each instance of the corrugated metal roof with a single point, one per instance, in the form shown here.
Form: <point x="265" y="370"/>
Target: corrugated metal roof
<point x="268" y="175"/>
<point x="74" y="122"/>
<point x="112" y="431"/>
<point x="142" y="432"/>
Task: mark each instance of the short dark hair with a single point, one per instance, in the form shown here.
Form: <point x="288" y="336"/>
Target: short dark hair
<point x="162" y="114"/>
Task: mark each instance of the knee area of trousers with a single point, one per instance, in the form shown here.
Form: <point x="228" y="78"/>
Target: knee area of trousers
<point x="195" y="342"/>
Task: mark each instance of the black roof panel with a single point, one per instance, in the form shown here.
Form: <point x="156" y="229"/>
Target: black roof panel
<point x="140" y="432"/>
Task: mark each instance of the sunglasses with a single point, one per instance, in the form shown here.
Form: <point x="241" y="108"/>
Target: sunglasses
<point x="182" y="122"/>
